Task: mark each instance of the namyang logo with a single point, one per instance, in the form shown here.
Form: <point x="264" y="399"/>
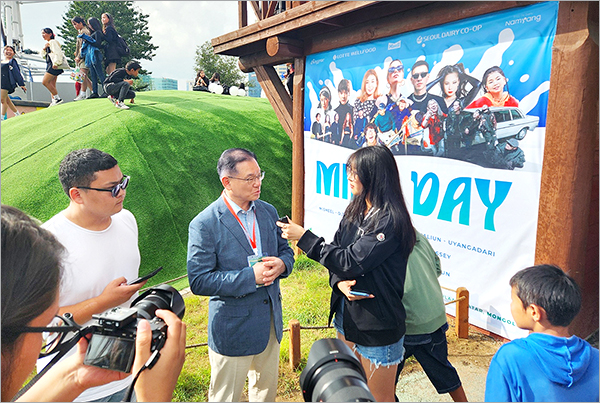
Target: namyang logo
<point x="395" y="45"/>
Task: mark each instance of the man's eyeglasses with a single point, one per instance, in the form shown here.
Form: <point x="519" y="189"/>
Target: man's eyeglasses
<point x="395" y="69"/>
<point x="422" y="75"/>
<point x="114" y="190"/>
<point x="251" y="179"/>
<point x="53" y="334"/>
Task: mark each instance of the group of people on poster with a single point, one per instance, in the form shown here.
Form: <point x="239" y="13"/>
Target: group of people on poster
<point x="456" y="124"/>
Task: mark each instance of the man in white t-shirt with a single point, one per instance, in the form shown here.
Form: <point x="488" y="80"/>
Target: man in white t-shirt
<point x="101" y="239"/>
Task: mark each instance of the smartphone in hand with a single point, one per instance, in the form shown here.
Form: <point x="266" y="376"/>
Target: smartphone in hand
<point x="285" y="219"/>
<point x="146" y="277"/>
<point x="359" y="293"/>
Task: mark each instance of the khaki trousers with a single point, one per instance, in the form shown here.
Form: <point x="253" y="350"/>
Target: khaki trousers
<point x="228" y="374"/>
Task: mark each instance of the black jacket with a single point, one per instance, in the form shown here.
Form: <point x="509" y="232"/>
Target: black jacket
<point x="116" y="76"/>
<point x="110" y="49"/>
<point x="375" y="260"/>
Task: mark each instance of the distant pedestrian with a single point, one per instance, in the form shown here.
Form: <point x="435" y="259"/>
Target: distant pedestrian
<point x="118" y="87"/>
<point x="53" y="54"/>
<point x="90" y="49"/>
<point x="111" y="54"/>
<point x="82" y="28"/>
<point x="11" y="78"/>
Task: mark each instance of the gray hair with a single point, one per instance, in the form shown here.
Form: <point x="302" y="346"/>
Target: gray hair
<point x="228" y="161"/>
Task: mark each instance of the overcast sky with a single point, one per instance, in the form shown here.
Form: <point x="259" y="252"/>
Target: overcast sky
<point x="177" y="28"/>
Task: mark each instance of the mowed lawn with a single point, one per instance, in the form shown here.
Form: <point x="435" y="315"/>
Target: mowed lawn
<point x="168" y="142"/>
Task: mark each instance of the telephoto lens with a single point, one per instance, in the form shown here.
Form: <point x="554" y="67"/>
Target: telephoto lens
<point x="334" y="374"/>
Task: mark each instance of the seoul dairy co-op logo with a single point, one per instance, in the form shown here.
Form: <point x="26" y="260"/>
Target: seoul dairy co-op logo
<point x="426" y="38"/>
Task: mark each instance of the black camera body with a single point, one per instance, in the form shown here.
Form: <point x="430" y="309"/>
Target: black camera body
<point x="112" y="345"/>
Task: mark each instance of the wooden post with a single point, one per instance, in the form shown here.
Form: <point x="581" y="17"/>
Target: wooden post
<point x="242" y="14"/>
<point x="462" y="313"/>
<point x="298" y="143"/>
<point x="294" y="343"/>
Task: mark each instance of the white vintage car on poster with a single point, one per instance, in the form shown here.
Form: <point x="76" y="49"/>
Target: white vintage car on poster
<point x="510" y="122"/>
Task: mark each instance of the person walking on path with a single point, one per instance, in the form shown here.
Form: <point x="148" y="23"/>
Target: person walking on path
<point x="11" y="78"/>
<point x="53" y="54"/>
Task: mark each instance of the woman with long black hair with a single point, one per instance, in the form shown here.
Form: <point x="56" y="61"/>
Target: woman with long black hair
<point x="90" y="49"/>
<point x="111" y="54"/>
<point x="368" y="255"/>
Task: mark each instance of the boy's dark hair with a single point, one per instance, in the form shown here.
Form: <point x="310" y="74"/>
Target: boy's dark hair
<point x="132" y="65"/>
<point x="79" y="167"/>
<point x="550" y="288"/>
<point x="228" y="161"/>
<point x="344" y="85"/>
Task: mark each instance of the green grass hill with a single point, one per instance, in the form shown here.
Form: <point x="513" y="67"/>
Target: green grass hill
<point x="168" y="142"/>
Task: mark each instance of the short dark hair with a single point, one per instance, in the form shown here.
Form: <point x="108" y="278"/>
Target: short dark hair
<point x="79" y="167"/>
<point x="132" y="65"/>
<point x="344" y="85"/>
<point x="550" y="288"/>
<point x="31" y="274"/>
<point x="230" y="158"/>
<point x="420" y="63"/>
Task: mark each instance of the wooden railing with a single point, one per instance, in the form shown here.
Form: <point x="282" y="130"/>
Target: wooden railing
<point x="461" y="325"/>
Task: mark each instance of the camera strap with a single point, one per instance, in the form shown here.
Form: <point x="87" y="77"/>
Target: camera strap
<point x="61" y="351"/>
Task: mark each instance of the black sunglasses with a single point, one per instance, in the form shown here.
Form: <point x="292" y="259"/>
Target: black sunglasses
<point x="114" y="190"/>
<point x="416" y="75"/>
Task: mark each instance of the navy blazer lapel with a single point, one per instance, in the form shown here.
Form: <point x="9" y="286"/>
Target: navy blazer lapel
<point x="266" y="232"/>
<point x="234" y="227"/>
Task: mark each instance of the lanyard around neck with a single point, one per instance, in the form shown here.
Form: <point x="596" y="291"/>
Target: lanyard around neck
<point x="251" y="239"/>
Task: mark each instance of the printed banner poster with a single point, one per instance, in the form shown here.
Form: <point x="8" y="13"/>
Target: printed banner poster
<point x="463" y="108"/>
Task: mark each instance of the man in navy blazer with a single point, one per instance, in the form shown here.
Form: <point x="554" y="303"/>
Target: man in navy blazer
<point x="237" y="256"/>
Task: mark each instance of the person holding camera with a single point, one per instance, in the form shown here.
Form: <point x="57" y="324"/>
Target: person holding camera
<point x="32" y="269"/>
<point x="371" y="249"/>
<point x="101" y="239"/>
<point x="236" y="256"/>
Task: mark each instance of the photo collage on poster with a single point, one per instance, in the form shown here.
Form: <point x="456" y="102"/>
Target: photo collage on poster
<point x="450" y="94"/>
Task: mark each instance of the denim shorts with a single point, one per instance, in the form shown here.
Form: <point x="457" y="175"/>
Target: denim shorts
<point x="387" y="356"/>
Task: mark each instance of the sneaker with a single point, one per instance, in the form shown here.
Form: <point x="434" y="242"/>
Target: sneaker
<point x="112" y="99"/>
<point x="94" y="95"/>
<point x="55" y="101"/>
<point x="121" y="105"/>
<point x="80" y="97"/>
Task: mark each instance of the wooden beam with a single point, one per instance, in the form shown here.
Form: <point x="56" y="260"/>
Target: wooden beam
<point x="277" y="95"/>
<point x="256" y="7"/>
<point x="382" y="23"/>
<point x="243" y="13"/>
<point x="264" y="6"/>
<point x="249" y="62"/>
<point x="309" y="13"/>
<point x="570" y="157"/>
<point x="283" y="46"/>
<point x="271" y="9"/>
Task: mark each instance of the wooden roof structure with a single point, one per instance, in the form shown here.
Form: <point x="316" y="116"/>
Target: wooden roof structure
<point x="288" y="31"/>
